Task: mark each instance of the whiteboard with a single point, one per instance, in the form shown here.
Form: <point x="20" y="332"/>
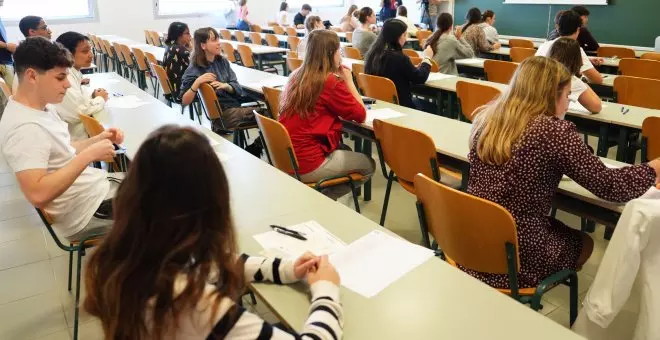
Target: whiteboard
<point x="558" y="2"/>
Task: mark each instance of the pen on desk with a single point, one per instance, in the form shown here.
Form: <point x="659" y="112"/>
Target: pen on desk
<point x="117" y="95"/>
<point x="289" y="232"/>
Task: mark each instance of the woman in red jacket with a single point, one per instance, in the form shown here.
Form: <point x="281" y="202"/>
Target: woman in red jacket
<point x="318" y="95"/>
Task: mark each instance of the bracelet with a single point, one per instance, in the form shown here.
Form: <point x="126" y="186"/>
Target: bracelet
<point x="194" y="91"/>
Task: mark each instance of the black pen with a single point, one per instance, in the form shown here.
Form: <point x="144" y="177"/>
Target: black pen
<point x="288" y="232"/>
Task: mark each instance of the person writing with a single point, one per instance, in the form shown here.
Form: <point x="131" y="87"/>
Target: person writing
<point x="474" y="35"/>
<point x="364" y="36"/>
<point x="447" y="46"/>
<point x="299" y="19"/>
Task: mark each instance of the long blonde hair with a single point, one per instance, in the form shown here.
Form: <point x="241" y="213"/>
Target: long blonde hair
<point x="306" y="83"/>
<point x="533" y="91"/>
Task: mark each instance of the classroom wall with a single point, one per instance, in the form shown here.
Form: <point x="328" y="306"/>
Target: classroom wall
<point x="627" y="22"/>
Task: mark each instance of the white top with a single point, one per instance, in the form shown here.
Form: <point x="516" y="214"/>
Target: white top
<point x="282" y="18"/>
<point x="78" y="101"/>
<point x="544" y="51"/>
<point x="412" y="29"/>
<point x="491" y="33"/>
<point x="577" y="88"/>
<point x="33" y="139"/>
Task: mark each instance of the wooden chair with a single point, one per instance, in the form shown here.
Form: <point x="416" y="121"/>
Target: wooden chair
<point x="272" y="23"/>
<point x="417" y="60"/>
<point x="422" y="36"/>
<point x="293" y="42"/>
<point x="474" y="95"/>
<point x="272" y="40"/>
<point x="651" y="56"/>
<point x="650" y="139"/>
<point x="228" y="51"/>
<point x="272" y="96"/>
<point x="118" y="58"/>
<point x="411" y="53"/>
<point x="93" y="128"/>
<point x="292" y="54"/>
<point x="407" y="152"/>
<point x="147" y="37"/>
<point x="76" y="246"/>
<point x="5" y="88"/>
<point x="151" y="60"/>
<point x="524" y="43"/>
<point x="110" y="57"/>
<point x="642" y="92"/>
<point x="278" y="30"/>
<point x="240" y="36"/>
<point x="281" y="155"/>
<point x="255" y="38"/>
<point x="225" y="34"/>
<point x="349" y="37"/>
<point x="518" y="54"/>
<point x="156" y="39"/>
<point x="379" y="88"/>
<point x="293" y="64"/>
<point x="142" y="68"/>
<point x="255" y="28"/>
<point x="352" y="53"/>
<point x="619" y="52"/>
<point x="499" y="71"/>
<point x="485" y="242"/>
<point x="643" y="68"/>
<point x="129" y="62"/>
<point x="166" y="85"/>
<point x="356" y="69"/>
<point x="291" y="31"/>
<point x="247" y="59"/>
<point x="213" y="109"/>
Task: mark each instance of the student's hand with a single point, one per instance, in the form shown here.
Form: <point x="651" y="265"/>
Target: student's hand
<point x="496" y="46"/>
<point x="114" y="135"/>
<point x="99" y="151"/>
<point x="85" y="81"/>
<point x="346" y="73"/>
<point x="304" y="264"/>
<point x="597" y="61"/>
<point x="100" y="93"/>
<point x="325" y="271"/>
<point x="203" y="79"/>
<point x="428" y="52"/>
<point x="11" y="47"/>
<point x="459" y="32"/>
<point x="220" y="86"/>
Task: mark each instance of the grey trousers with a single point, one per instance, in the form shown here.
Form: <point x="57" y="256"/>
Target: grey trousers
<point x="341" y="162"/>
<point x="99" y="225"/>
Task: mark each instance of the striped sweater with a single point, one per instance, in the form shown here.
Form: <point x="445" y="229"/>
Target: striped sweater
<point x="325" y="320"/>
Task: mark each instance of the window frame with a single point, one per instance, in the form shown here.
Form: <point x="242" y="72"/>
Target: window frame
<point x="181" y="15"/>
<point x="93" y="10"/>
<point x="314" y="5"/>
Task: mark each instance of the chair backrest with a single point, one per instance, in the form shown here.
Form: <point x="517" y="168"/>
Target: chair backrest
<point x="245" y="52"/>
<point x="126" y="53"/>
<point x="524" y="43"/>
<point x="358" y="68"/>
<point x="635" y="91"/>
<point x="422" y="36"/>
<point x="156" y="38"/>
<point x="651" y="56"/>
<point x="417" y="60"/>
<point x="411" y="53"/>
<point x="499" y="71"/>
<point x="107" y="48"/>
<point x="240" y="36"/>
<point x="619" y="52"/>
<point x="474" y="95"/>
<point x="151" y="60"/>
<point x="225" y="34"/>
<point x="291" y="31"/>
<point x="272" y="40"/>
<point x="352" y="52"/>
<point x="278" y="30"/>
<point x="229" y="51"/>
<point x="147" y="37"/>
<point x="272" y="96"/>
<point x="164" y="81"/>
<point x="272" y="23"/>
<point x="518" y="54"/>
<point x="92" y="126"/>
<point x="255" y="28"/>
<point x="378" y="88"/>
<point x="117" y="49"/>
<point x="292" y="54"/>
<point x="278" y="144"/>
<point x="48" y="222"/>
<point x="349" y="37"/>
<point x="255" y="38"/>
<point x="407" y="151"/>
<point x="293" y="42"/>
<point x="643" y="68"/>
<point x="293" y="63"/>
<point x="140" y="59"/>
<point x="5" y="88"/>
<point x="651" y="130"/>
<point x="210" y="101"/>
<point x="475" y="241"/>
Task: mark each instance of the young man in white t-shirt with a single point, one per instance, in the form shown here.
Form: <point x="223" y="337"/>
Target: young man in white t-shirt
<point x="53" y="172"/>
<point x="568" y="26"/>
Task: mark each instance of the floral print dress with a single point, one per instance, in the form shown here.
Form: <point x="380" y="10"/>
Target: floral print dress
<point x="175" y="62"/>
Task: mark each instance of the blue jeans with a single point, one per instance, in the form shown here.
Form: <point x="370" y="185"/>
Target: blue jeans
<point x="242" y="26"/>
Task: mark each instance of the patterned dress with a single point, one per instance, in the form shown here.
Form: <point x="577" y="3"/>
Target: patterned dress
<point x="526" y="184"/>
<point x="175" y="62"/>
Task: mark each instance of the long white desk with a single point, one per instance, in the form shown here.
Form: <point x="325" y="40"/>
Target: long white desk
<point x="434" y="300"/>
<point x="284" y="39"/>
<point x="158" y="52"/>
<point x="639" y="50"/>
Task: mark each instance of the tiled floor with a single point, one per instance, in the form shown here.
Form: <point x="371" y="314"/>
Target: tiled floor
<point x="35" y="303"/>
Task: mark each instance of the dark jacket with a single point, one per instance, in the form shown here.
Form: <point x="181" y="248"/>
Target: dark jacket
<point x="397" y="67"/>
<point x="224" y="74"/>
<point x="299" y="19"/>
<point x="587" y="41"/>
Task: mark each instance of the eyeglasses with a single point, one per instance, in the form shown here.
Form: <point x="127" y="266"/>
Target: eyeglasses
<point x="44" y="27"/>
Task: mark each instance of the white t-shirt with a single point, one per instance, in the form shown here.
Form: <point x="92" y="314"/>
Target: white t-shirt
<point x="282" y="18"/>
<point x="33" y="139"/>
<point x="577" y="88"/>
<point x="544" y="51"/>
<point x="78" y="100"/>
<point x="490" y="32"/>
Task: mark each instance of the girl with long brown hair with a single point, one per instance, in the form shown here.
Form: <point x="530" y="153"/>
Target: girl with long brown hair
<point x="173" y="235"/>
<point x="519" y="150"/>
<point x="318" y="95"/>
<point x="349" y="22"/>
<point x="448" y="46"/>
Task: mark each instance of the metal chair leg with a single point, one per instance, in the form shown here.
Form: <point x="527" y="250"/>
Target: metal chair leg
<point x="70" y="266"/>
<point x="390" y="179"/>
<point x="355" y="196"/>
<point x="77" y="307"/>
<point x="573" y="283"/>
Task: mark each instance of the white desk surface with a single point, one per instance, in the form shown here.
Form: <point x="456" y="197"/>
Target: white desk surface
<point x="284" y="38"/>
<point x="639" y="50"/>
<point x="434" y="300"/>
<point x="258" y="49"/>
<point x="252" y="79"/>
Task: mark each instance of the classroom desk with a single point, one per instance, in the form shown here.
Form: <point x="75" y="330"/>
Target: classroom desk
<point x="639" y="50"/>
<point x="260" y="52"/>
<point x="283" y="39"/>
<point x="158" y="52"/>
<point x="434" y="300"/>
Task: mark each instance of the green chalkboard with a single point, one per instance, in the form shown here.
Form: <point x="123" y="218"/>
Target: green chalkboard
<point x="626" y="22"/>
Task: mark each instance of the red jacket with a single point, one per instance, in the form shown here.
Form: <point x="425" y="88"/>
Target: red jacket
<point x="319" y="134"/>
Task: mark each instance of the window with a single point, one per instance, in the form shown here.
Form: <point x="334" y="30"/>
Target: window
<point x="51" y="10"/>
<point x="192" y="7"/>
<point x="295" y="5"/>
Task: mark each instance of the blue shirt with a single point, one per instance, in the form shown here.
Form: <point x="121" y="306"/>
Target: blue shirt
<point x="223" y="73"/>
<point x="5" y="56"/>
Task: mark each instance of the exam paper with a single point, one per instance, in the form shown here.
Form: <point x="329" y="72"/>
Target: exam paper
<point x="125" y="102"/>
<point x="319" y="241"/>
<point x="376" y="260"/>
<point x="381" y="114"/>
<point x="433" y="76"/>
<point x="273" y="82"/>
<point x="471" y="61"/>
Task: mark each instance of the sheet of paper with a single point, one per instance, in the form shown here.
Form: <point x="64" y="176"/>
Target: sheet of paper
<point x="125" y="102"/>
<point x="471" y="61"/>
<point x="376" y="260"/>
<point x="319" y="241"/>
<point x="576" y="107"/>
<point x="381" y="114"/>
<point x="273" y="82"/>
<point x="439" y="76"/>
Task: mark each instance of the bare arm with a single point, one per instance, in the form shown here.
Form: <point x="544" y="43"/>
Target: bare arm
<point x="594" y="76"/>
<point x="590" y="100"/>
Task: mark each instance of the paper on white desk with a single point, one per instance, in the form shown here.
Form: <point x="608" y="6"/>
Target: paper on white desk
<point x="319" y="241"/>
<point x="125" y="102"/>
<point x="376" y="260"/>
<point x="471" y="61"/>
<point x="439" y="76"/>
<point x="273" y="82"/>
<point x="576" y="107"/>
<point x="381" y="114"/>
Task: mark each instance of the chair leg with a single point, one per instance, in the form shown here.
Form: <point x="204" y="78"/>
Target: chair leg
<point x="390" y="179"/>
<point x="253" y="298"/>
<point x="77" y="307"/>
<point x="573" y="283"/>
<point x="70" y="267"/>
<point x="354" y="192"/>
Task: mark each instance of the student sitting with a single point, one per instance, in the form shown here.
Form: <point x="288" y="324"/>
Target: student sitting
<point x="299" y="19"/>
<point x="313" y="22"/>
<point x="33" y="26"/>
<point x="77" y="100"/>
<point x="567" y="52"/>
<point x="402" y="14"/>
<point x="169" y="269"/>
<point x="522" y="143"/>
<point x="586" y="40"/>
<point x="349" y="22"/>
<point x="52" y="171"/>
<point x="177" y="55"/>
<point x="474" y="34"/>
<point x="363" y="36"/>
<point x="568" y="25"/>
<point x="282" y="15"/>
<point x="448" y="46"/>
<point x="315" y="100"/>
<point x="243" y="22"/>
<point x="487" y="24"/>
<point x="386" y="59"/>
